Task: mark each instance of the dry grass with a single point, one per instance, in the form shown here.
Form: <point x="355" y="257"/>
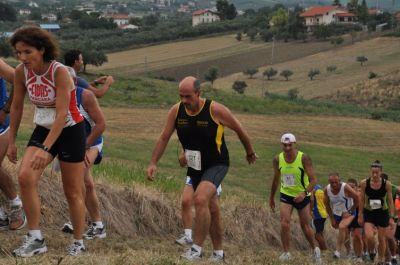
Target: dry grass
<point x="177" y="53"/>
<point x="320" y="131"/>
<point x="383" y="91"/>
<point x="141" y="226"/>
<point x="383" y="56"/>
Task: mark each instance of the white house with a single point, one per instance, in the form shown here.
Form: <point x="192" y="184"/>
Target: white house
<point x="49" y="17"/>
<point x="24" y="12"/>
<point x="325" y="15"/>
<point x="128" y="26"/>
<point x="120" y="19"/>
<point x="204" y="16"/>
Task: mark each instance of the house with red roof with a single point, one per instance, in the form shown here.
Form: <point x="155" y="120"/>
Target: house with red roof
<point x="204" y="16"/>
<point x="120" y="19"/>
<point x="325" y="15"/>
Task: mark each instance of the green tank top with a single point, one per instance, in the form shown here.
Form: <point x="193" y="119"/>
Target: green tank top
<point x="293" y="176"/>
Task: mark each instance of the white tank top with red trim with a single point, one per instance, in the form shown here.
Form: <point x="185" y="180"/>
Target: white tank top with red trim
<point x="42" y="92"/>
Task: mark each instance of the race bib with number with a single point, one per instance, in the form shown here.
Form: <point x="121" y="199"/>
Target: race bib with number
<point x="375" y="204"/>
<point x="338" y="209"/>
<point x="44" y="117"/>
<point x="193" y="159"/>
<point x="288" y="180"/>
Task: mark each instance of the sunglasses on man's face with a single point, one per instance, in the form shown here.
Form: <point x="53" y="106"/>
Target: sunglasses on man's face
<point x="287" y="145"/>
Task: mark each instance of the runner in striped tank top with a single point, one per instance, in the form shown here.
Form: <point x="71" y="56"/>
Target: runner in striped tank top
<point x="59" y="132"/>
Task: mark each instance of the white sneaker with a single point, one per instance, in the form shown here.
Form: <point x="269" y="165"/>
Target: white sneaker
<point x="336" y="254"/>
<point x="317" y="255"/>
<point x="76" y="249"/>
<point x="31" y="246"/>
<point x="285" y="257"/>
<point x="184" y="240"/>
<point x="191" y="255"/>
<point x="216" y="258"/>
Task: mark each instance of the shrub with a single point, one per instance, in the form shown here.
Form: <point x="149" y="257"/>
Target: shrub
<point x="239" y="86"/>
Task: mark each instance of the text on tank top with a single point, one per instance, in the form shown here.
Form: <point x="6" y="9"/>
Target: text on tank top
<point x="201" y="137"/>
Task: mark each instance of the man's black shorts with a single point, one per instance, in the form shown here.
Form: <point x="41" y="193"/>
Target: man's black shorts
<point x="214" y="174"/>
<point x="290" y="200"/>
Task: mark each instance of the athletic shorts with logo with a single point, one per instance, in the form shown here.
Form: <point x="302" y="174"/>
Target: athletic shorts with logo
<point x="69" y="146"/>
<point x="5" y="125"/>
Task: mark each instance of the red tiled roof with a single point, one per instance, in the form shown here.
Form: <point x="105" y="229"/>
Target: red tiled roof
<point x="346" y="14"/>
<point x="201" y="12"/>
<point x="317" y="10"/>
<point x="120" y="17"/>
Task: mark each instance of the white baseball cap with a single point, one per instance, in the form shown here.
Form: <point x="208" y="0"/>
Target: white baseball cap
<point x="288" y="138"/>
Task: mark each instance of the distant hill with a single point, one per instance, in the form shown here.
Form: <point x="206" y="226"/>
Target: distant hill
<point x="255" y="4"/>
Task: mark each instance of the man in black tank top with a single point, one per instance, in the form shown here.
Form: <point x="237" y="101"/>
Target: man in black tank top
<point x="200" y="127"/>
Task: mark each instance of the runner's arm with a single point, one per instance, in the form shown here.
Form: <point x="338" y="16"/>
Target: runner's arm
<point x="106" y="82"/>
<point x="17" y="104"/>
<point x="389" y="194"/>
<point x="275" y="180"/>
<point x="327" y="204"/>
<point x="166" y="134"/>
<point x="224" y="116"/>
<point x="7" y="72"/>
<point x="350" y="192"/>
<point x="362" y="199"/>
<point x="92" y="107"/>
<point x="308" y="167"/>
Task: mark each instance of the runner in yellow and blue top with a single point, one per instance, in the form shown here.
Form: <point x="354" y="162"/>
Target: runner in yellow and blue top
<point x="295" y="172"/>
<point x="319" y="215"/>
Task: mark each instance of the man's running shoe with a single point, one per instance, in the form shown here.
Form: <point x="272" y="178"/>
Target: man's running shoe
<point x="216" y="258"/>
<point x="76" y="249"/>
<point x="17" y="218"/>
<point x="336" y="254"/>
<point x="68" y="228"/>
<point x="184" y="240"/>
<point x="191" y="255"/>
<point x="316" y="255"/>
<point x="285" y="257"/>
<point x="94" y="231"/>
<point x="30" y="246"/>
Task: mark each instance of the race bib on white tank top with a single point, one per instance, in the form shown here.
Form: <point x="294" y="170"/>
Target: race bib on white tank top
<point x="44" y="117"/>
<point x="193" y="159"/>
<point x="339" y="209"/>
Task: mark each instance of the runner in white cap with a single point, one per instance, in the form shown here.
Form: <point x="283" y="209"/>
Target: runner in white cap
<point x="295" y="171"/>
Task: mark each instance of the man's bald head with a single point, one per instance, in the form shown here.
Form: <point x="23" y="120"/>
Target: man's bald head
<point x="190" y="82"/>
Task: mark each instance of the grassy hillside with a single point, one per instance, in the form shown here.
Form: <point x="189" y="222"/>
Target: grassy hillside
<point x="383" y="57"/>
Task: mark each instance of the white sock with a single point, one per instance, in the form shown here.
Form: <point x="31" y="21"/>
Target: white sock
<point x="188" y="233"/>
<point x="197" y="248"/>
<point x="3" y="214"/>
<point x="219" y="253"/>
<point x="98" y="224"/>
<point x="36" y="234"/>
<point x="394" y="257"/>
<point x="80" y="241"/>
<point x="15" y="202"/>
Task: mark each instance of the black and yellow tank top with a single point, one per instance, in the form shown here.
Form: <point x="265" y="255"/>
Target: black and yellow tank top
<point x="201" y="137"/>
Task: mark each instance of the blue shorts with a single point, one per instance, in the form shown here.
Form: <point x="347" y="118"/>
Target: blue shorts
<point x="99" y="157"/>
<point x="5" y="126"/>
<point x="338" y="218"/>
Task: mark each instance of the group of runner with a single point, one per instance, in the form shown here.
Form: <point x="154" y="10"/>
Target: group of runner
<point x="69" y="128"/>
<point x="364" y="212"/>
